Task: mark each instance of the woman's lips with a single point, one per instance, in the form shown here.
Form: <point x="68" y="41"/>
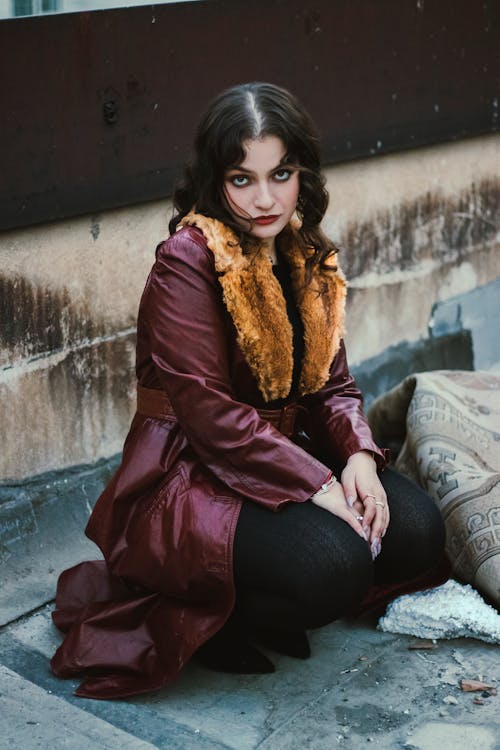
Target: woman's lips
<point x="263" y="220"/>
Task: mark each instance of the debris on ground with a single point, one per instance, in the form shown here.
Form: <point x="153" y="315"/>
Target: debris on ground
<point x="470" y="686"/>
<point x="452" y="610"/>
<point x="422" y="643"/>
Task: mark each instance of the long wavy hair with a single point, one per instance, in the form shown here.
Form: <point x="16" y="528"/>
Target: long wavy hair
<point x="247" y="112"/>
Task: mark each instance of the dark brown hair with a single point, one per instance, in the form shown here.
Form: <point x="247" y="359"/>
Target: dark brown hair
<point x="239" y="114"/>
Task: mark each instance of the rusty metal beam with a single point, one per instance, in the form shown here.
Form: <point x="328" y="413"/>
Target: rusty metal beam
<point x="97" y="108"/>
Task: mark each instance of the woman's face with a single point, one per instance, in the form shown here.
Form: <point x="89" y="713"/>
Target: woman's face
<point x="263" y="189"/>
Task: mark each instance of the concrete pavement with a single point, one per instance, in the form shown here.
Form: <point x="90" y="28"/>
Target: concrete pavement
<point x="361" y="687"/>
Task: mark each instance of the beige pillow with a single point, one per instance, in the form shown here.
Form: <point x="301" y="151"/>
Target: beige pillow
<point x="446" y="425"/>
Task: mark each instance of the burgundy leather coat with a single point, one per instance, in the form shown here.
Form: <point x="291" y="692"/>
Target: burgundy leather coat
<point x="166" y="521"/>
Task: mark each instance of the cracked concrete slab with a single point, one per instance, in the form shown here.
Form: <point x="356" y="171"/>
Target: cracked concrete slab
<point x="446" y="737"/>
<point x="360" y="687"/>
<point x="32" y="718"/>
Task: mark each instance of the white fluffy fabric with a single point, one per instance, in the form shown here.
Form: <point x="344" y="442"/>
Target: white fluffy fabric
<point x="449" y="611"/>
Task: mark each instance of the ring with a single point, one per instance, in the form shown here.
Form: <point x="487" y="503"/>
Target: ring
<point x="359" y="518"/>
<point x="368" y="495"/>
<point x="377" y="502"/>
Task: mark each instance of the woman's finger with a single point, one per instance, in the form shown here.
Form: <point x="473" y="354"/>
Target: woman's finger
<point x="335" y="502"/>
<point x="354" y="520"/>
<point x="378" y="512"/>
<point x="358" y="507"/>
<point x="348" y="480"/>
<point x="370" y="510"/>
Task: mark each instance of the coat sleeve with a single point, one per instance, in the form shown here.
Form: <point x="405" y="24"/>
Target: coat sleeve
<point x="337" y="410"/>
<point x="183" y="315"/>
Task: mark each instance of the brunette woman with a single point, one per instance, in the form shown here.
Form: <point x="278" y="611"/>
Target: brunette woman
<point x="251" y="503"/>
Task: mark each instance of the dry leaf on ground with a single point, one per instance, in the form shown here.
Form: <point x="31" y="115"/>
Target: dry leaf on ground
<point x="470" y="686"/>
<point x="422" y="643"/>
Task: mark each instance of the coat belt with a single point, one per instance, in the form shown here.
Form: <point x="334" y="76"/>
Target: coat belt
<point x="152" y="402"/>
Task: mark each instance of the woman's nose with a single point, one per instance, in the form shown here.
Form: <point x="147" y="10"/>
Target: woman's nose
<point x="264" y="198"/>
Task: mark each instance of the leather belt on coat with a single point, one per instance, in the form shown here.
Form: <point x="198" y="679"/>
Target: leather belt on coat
<point x="152" y="402"/>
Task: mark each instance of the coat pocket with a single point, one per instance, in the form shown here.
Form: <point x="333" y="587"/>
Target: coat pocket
<point x="179" y="540"/>
<point x="173" y="483"/>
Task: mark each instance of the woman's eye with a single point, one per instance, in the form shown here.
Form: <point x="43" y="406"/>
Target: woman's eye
<point x="282" y="175"/>
<point x="239" y="180"/>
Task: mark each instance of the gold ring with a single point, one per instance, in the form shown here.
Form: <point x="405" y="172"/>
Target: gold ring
<point x="368" y="495"/>
<point x="377" y="502"/>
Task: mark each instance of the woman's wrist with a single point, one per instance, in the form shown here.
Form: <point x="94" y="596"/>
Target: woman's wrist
<point x="325" y="487"/>
<point x="363" y="451"/>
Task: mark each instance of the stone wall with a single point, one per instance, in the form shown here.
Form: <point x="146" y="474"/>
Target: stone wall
<point x="69" y="294"/>
<point x="413" y="228"/>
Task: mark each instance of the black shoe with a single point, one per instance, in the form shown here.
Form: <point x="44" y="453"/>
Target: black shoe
<point x="294" y="644"/>
<point x="235" y="656"/>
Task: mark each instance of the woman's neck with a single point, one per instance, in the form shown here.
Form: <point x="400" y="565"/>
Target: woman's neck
<point x="270" y="246"/>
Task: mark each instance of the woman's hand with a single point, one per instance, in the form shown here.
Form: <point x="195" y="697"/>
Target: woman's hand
<point x="367" y="497"/>
<point x="333" y="500"/>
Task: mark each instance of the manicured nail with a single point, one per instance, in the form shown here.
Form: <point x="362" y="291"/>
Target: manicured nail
<point x="366" y="529"/>
<point x="375" y="548"/>
<point x="350" y="501"/>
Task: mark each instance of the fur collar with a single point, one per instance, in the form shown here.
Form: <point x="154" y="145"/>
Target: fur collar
<point x="255" y="301"/>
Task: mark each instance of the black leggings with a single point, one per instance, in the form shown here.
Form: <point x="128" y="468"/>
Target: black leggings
<point x="303" y="567"/>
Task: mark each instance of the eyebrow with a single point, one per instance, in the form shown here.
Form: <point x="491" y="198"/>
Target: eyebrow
<point x="282" y="163"/>
<point x="239" y="169"/>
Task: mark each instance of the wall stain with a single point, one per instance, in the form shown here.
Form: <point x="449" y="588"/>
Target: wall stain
<point x="81" y="406"/>
<point x="39" y="320"/>
<point x="431" y="227"/>
<point x="97" y="382"/>
<point x="95" y="228"/>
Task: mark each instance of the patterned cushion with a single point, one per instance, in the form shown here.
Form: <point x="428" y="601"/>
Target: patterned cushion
<point x="446" y="425"/>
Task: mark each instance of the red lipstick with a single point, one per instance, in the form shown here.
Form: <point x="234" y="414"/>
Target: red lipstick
<point x="263" y="220"/>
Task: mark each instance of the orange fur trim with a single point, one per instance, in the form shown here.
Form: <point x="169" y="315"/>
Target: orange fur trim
<point x="322" y="306"/>
<point x="255" y="301"/>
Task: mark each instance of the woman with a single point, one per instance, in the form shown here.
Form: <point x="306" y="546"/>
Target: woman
<point x="251" y="502"/>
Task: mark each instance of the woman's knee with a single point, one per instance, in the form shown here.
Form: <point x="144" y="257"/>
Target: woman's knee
<point x="338" y="579"/>
<point x="416" y="535"/>
<point x="307" y="555"/>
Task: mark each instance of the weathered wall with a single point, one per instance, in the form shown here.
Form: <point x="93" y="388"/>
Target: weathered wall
<point x="69" y="293"/>
<point x="413" y="228"/>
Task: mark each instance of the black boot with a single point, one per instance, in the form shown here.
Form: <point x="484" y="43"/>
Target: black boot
<point x="229" y="651"/>
<point x="290" y="643"/>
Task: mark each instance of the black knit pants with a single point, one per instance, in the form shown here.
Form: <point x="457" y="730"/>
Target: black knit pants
<point x="303" y="567"/>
